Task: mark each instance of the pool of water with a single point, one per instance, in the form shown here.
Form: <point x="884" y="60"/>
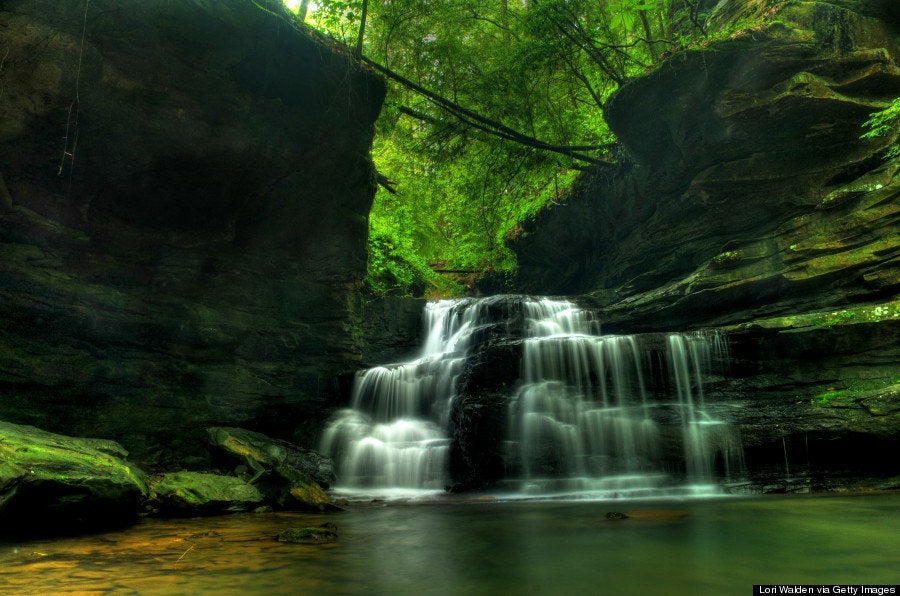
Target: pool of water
<point x="448" y="546"/>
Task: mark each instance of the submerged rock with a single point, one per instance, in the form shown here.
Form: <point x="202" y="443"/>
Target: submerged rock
<point x="315" y="535"/>
<point x="662" y="515"/>
<point x="195" y="493"/>
<point x="54" y="483"/>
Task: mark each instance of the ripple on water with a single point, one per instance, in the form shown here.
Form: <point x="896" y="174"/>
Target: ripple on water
<point x="463" y="546"/>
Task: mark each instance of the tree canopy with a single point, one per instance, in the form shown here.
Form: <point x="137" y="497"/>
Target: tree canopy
<point x="495" y="107"/>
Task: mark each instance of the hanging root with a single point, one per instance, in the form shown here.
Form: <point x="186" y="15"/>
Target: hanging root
<point x="2" y="60"/>
<point x="72" y="117"/>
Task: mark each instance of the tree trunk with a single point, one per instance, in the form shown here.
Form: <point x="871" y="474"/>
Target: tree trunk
<point x="362" y="28"/>
<point x="648" y="34"/>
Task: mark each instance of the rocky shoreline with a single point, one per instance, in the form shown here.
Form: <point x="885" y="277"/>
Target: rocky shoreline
<point x="52" y="484"/>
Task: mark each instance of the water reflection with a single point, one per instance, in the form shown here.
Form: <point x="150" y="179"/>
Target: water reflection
<point x="718" y="546"/>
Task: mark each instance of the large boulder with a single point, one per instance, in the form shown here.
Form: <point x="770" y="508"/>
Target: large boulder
<point x="52" y="483"/>
<point x="197" y="493"/>
<point x="291" y="477"/>
<point x="261" y="452"/>
<point x="184" y="187"/>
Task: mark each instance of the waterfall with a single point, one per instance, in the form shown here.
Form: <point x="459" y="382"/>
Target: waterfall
<point x="394" y="435"/>
<point x="691" y="357"/>
<point x="582" y="418"/>
<point x="585" y="413"/>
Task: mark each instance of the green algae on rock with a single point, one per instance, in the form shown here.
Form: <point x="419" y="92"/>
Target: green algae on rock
<point x="304" y="495"/>
<point x="313" y="535"/>
<point x="53" y="483"/>
<point x="289" y="476"/>
<point x="261" y="452"/>
<point x="196" y="493"/>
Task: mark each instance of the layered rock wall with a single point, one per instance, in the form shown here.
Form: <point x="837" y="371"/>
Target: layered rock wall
<point x="184" y="191"/>
<point x="749" y="201"/>
<point x="748" y="191"/>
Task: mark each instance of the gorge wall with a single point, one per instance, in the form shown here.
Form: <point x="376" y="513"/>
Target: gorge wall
<point x="184" y="191"/>
<point x="749" y="202"/>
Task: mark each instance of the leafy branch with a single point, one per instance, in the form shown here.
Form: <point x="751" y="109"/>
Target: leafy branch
<point x="885" y="123"/>
<point x="489" y="125"/>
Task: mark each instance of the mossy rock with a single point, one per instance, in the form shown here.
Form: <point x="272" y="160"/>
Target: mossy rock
<point x="51" y="483"/>
<point x="309" y="496"/>
<point x="315" y="535"/>
<point x="196" y="493"/>
<point x="290" y="489"/>
<point x="263" y="453"/>
<point x="289" y="476"/>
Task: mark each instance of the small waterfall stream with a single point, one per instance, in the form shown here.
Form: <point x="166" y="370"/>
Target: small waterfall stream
<point x="587" y="414"/>
<point x="394" y="434"/>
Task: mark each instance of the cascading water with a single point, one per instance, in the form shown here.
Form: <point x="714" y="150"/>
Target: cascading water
<point x="394" y="434"/>
<point x="582" y="419"/>
<point x="588" y="414"/>
<point x="691" y="358"/>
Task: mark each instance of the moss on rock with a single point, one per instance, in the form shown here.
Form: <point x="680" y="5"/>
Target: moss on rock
<point x="288" y="476"/>
<point x="862" y="314"/>
<point x="193" y="266"/>
<point x="314" y="535"/>
<point x="51" y="482"/>
<point x="196" y="493"/>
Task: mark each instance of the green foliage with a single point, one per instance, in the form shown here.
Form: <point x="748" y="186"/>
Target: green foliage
<point x="853" y="389"/>
<point x="394" y="263"/>
<point x="625" y="13"/>
<point x="884" y="123"/>
<point x="543" y="68"/>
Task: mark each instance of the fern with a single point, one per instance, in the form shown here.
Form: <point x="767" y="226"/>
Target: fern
<point x="885" y="123"/>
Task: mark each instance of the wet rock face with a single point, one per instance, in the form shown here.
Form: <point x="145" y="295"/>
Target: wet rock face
<point x="819" y="393"/>
<point x="750" y="192"/>
<point x="183" y="198"/>
<point x="392" y="327"/>
<point x="750" y="202"/>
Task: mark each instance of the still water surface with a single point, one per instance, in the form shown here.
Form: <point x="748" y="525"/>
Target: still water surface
<point x="720" y="546"/>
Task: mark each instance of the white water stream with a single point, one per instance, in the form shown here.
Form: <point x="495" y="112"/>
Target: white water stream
<point x="581" y="421"/>
<point x="394" y="434"/>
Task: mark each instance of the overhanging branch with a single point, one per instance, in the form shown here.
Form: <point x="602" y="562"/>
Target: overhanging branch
<point x="488" y="125"/>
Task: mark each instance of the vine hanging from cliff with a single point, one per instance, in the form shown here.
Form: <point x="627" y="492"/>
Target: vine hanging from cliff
<point x="70" y="139"/>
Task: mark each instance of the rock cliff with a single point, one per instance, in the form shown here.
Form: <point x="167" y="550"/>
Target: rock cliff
<point x="748" y="201"/>
<point x="184" y="191"/>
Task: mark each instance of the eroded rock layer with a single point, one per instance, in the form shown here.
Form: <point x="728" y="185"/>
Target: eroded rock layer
<point x="749" y="201"/>
<point x="184" y="190"/>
